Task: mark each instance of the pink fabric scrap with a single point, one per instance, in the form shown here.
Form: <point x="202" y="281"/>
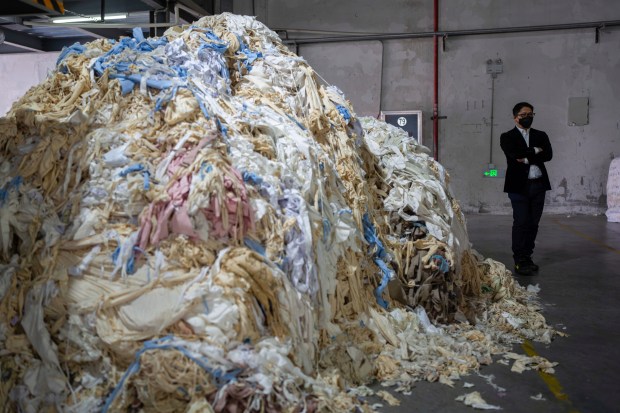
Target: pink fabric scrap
<point x="235" y="199"/>
<point x="171" y="216"/>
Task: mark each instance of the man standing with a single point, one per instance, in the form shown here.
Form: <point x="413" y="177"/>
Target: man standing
<point x="526" y="151"/>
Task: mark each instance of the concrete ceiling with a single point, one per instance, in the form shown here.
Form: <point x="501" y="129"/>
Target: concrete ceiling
<point x="21" y="21"/>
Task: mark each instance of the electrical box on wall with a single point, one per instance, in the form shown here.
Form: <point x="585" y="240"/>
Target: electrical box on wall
<point x="578" y="109"/>
<point x="494" y="67"/>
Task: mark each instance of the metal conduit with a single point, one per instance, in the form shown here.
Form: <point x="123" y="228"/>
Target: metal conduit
<point x="435" y="81"/>
<point x="455" y="33"/>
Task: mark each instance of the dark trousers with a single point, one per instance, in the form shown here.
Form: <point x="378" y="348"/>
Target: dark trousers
<point x="527" y="209"/>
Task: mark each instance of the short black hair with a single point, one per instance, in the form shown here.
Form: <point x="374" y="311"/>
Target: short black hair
<point x="519" y="106"/>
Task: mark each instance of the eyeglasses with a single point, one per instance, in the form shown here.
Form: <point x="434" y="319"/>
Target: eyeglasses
<point x="525" y="115"/>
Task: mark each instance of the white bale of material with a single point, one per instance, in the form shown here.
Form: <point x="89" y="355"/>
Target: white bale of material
<point x="613" y="191"/>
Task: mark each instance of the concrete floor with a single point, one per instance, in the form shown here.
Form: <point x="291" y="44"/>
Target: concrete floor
<point x="579" y="277"/>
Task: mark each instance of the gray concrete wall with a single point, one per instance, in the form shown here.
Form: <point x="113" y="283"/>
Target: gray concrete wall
<point x="544" y="68"/>
<point x="354" y="67"/>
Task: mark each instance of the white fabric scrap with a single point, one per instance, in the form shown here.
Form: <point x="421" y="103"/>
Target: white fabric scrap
<point x="489" y="379"/>
<point x="429" y="328"/>
<point x="35" y="328"/>
<point x="362" y="391"/>
<point x="516" y="322"/>
<point x="476" y="401"/>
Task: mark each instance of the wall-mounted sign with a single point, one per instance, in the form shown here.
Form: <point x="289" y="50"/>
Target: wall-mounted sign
<point x="408" y="120"/>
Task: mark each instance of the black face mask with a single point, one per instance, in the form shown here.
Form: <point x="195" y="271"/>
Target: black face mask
<point x="526" y="122"/>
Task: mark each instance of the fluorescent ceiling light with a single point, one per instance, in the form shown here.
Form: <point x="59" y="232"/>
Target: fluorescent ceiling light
<point x="76" y="19"/>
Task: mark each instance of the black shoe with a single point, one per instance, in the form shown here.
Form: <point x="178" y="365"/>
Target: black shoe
<point x="531" y="264"/>
<point x="523" y="269"/>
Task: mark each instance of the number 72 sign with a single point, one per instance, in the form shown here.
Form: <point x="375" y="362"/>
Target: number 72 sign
<point x="408" y="120"/>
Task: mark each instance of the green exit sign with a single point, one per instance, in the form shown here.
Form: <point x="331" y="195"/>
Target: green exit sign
<point x="491" y="171"/>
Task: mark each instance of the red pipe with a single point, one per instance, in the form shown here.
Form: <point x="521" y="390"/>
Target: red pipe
<point x="436" y="81"/>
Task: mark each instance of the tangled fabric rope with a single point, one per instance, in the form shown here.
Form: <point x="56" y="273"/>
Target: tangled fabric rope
<point x="195" y="223"/>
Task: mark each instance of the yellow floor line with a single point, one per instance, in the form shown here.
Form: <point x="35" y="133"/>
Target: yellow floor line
<point x="550" y="380"/>
<point x="585" y="236"/>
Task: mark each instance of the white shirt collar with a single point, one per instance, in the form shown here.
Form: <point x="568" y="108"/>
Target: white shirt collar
<point x="523" y="131"/>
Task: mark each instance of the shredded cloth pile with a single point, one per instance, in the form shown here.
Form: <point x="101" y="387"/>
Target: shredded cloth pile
<point x="194" y="223"/>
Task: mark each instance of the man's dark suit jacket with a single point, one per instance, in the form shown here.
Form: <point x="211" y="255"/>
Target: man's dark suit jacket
<point x="514" y="148"/>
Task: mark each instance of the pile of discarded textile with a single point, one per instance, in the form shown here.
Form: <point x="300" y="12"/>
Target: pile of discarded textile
<point x="195" y="223"/>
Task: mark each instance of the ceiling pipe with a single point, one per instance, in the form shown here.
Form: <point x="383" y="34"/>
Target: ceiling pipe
<point x="102" y="25"/>
<point x="455" y="33"/>
<point x="176" y="22"/>
<point x="333" y="32"/>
